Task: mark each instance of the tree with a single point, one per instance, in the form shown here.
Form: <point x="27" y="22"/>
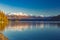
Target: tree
<point x="3" y="21"/>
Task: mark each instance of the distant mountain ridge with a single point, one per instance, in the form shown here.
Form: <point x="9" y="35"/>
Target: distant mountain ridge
<point x="25" y="17"/>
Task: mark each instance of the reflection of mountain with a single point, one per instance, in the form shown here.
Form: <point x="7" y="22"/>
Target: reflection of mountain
<point x="21" y="26"/>
<point x="25" y="17"/>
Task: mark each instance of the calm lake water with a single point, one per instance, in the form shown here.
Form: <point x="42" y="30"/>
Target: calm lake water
<point x="33" y="31"/>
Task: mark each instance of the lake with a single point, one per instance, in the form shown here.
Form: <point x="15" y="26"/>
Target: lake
<point x="33" y="31"/>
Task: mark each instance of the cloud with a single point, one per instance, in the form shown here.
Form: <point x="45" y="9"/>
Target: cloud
<point x="8" y="9"/>
<point x="46" y="12"/>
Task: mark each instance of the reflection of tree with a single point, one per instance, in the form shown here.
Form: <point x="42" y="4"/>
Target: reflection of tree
<point x="2" y="37"/>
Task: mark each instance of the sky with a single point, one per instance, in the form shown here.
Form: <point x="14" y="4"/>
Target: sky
<point x="33" y="7"/>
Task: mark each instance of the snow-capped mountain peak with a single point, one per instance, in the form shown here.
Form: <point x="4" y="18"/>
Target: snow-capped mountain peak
<point x="18" y="13"/>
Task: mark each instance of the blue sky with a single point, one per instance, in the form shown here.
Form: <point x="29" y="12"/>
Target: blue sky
<point x="35" y="7"/>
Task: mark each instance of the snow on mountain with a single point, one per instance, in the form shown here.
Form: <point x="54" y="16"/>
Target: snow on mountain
<point x="19" y="13"/>
<point x="24" y="14"/>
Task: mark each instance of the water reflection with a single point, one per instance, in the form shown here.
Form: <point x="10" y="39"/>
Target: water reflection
<point x="22" y="26"/>
<point x="33" y="31"/>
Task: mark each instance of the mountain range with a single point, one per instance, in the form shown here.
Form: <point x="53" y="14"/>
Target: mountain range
<point x="26" y="17"/>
